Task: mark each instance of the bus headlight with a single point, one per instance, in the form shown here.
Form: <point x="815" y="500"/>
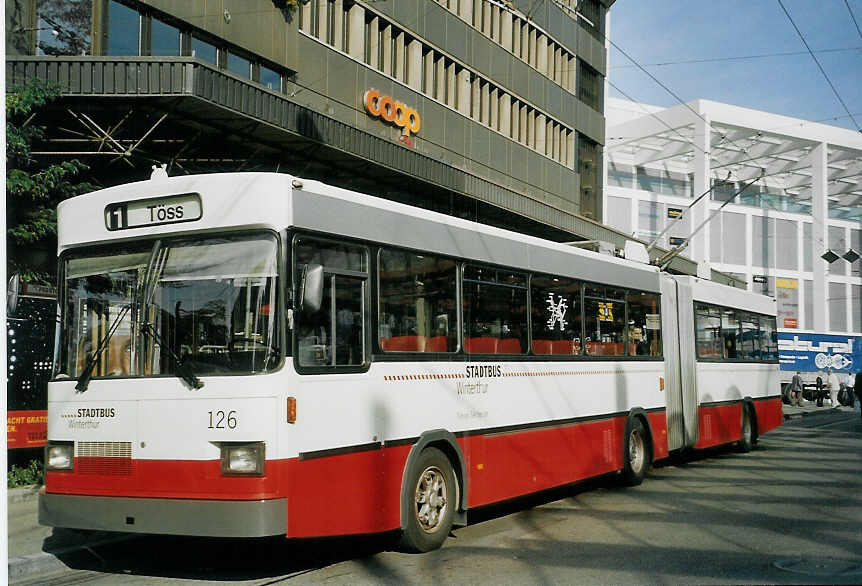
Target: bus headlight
<point x="245" y="458"/>
<point x="60" y="456"/>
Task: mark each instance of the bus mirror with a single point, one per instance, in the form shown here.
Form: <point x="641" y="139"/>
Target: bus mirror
<point x="12" y="294"/>
<point x="311" y="291"/>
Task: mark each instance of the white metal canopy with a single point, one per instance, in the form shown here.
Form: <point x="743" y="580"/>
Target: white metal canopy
<point x="748" y="143"/>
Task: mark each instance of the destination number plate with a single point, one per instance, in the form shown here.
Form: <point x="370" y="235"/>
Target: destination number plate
<point x="153" y="212"/>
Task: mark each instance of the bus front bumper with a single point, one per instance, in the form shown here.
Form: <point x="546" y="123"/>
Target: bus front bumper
<point x="203" y="518"/>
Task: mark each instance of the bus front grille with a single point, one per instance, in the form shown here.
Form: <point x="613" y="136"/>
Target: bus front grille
<point x="104" y="458"/>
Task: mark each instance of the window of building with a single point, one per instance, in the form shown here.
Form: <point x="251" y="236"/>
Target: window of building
<point x="856" y="304"/>
<point x="556" y="315"/>
<point x="332" y="336"/>
<point x="650" y="219"/>
<point x="723" y="190"/>
<point x="708" y="331"/>
<point x="808" y="302"/>
<point x="589" y="86"/>
<point x="204" y="51"/>
<point x="417" y="303"/>
<point x="837" y="304"/>
<point x="62" y="27"/>
<point x="763" y="241"/>
<point x="734" y="241"/>
<point x="593" y="18"/>
<point x="644" y="324"/>
<point x="239" y="65"/>
<point x="588" y="167"/>
<point x="270" y="78"/>
<point x="786" y="249"/>
<point x="619" y="214"/>
<point x="124" y="30"/>
<point x="165" y="39"/>
<point x="856" y="245"/>
<point x="495" y="311"/>
<point x="838" y="244"/>
<point x="604" y="321"/>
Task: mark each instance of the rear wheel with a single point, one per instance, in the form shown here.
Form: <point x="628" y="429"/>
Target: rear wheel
<point x="636" y="452"/>
<point x="746" y="441"/>
<point x="431" y="502"/>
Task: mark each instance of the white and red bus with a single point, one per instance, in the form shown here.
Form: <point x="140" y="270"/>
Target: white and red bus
<point x="253" y="354"/>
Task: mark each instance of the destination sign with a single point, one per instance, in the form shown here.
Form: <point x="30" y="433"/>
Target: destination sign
<point x="153" y="212"/>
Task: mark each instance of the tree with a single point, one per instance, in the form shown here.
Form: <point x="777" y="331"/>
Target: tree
<point x="34" y="187"/>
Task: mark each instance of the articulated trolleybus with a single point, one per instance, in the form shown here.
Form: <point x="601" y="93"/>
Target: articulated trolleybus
<point x="253" y="354"/>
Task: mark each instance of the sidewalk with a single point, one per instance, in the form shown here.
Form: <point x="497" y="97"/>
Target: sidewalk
<point x="810" y="408"/>
<point x="34" y="549"/>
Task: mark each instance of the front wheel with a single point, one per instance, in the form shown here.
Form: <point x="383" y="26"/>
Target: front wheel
<point x="636" y="452"/>
<point x="431" y="500"/>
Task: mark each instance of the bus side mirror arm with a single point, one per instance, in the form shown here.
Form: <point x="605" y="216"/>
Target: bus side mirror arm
<point x="311" y="288"/>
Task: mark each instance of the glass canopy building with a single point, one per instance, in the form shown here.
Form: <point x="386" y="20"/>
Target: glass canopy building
<point x="782" y="193"/>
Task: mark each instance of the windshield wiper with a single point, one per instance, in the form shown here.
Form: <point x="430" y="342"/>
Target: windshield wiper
<point x="87" y="373"/>
<point x="183" y="370"/>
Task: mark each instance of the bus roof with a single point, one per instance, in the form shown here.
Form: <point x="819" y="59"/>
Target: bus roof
<point x="280" y="201"/>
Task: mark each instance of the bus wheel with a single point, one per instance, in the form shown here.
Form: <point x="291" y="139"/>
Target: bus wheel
<point x="636" y="453"/>
<point x="431" y="494"/>
<point x="746" y="441"/>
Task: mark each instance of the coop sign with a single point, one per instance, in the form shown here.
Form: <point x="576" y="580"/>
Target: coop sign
<point x="397" y="113"/>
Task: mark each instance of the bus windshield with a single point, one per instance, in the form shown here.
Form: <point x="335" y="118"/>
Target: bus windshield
<point x="145" y="308"/>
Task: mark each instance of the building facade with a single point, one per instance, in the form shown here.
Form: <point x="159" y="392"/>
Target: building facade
<point x="781" y="193"/>
<point x="486" y="109"/>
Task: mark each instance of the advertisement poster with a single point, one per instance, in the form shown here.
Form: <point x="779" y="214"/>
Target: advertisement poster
<point x="818" y="352"/>
<point x="787" y="296"/>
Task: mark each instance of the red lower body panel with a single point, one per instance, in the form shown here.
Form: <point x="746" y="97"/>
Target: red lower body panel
<point x="360" y="492"/>
<point x="722" y="424"/>
<point x="769" y="414"/>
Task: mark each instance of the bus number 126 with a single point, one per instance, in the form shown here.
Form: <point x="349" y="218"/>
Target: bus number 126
<point x="220" y="420"/>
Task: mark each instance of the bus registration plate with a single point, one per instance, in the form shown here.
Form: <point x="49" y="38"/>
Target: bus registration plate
<point x="153" y="212"/>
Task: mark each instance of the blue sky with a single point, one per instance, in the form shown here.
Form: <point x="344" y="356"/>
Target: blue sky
<point x="663" y="31"/>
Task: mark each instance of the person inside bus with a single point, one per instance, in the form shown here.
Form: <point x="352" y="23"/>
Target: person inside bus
<point x="730" y="346"/>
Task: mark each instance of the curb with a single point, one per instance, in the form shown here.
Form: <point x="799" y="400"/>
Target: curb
<point x="24" y="494"/>
<point x="36" y="563"/>
<point x="44" y="562"/>
<point x="819" y="411"/>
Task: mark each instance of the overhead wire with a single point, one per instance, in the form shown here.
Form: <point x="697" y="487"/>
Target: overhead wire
<point x="853" y="16"/>
<point x="819" y="66"/>
<point x="739" y="58"/>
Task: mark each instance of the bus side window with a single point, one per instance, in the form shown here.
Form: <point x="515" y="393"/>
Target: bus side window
<point x="556" y="310"/>
<point x="708" y="331"/>
<point x="644" y="327"/>
<point x="495" y="311"/>
<point x="604" y="320"/>
<point x="730" y="333"/>
<point x="334" y="335"/>
<point x="417" y="303"/>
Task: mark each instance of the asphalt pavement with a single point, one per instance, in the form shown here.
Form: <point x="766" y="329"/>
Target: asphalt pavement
<point x="34" y="549"/>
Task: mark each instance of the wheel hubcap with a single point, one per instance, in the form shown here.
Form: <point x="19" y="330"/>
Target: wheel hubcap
<point x="636" y="450"/>
<point x="430" y="499"/>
